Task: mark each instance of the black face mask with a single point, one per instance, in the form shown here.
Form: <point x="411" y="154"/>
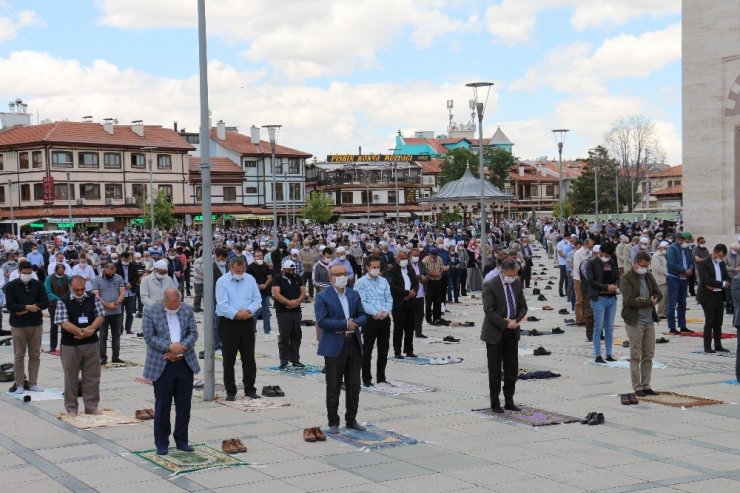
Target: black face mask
<point x="108" y="276"/>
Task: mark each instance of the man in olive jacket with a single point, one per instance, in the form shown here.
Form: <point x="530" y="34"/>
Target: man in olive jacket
<point x="640" y="294"/>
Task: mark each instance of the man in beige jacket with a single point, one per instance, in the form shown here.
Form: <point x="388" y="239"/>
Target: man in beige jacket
<point x="659" y="269"/>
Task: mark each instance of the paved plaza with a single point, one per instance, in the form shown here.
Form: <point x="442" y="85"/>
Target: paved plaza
<point x="643" y="447"/>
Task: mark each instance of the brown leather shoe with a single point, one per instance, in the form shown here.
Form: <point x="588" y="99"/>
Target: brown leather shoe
<point x="228" y="446"/>
<point x="150" y="412"/>
<point x="142" y="414"/>
<point x="319" y="434"/>
<point x="240" y="447"/>
<point x="309" y="435"/>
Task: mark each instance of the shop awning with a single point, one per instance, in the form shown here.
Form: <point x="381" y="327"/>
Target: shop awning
<point x="19" y="223"/>
<point x="57" y="220"/>
<point x="101" y="220"/>
<point x="246" y="217"/>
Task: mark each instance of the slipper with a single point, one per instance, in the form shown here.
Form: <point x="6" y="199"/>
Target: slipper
<point x="451" y="359"/>
<point x="563" y="311"/>
<point x="547" y="308"/>
<point x="661" y="340"/>
<point x="541" y="298"/>
<point x="438" y="360"/>
<point x="540" y="351"/>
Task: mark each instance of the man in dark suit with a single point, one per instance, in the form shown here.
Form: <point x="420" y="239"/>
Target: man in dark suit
<point x="170" y="334"/>
<point x="504" y="307"/>
<point x="404" y="285"/>
<point x="713" y="280"/>
<point x="130" y="275"/>
<point x="340" y="315"/>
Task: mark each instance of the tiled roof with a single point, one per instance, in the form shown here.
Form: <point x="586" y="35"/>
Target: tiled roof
<point x="83" y="133"/>
<point x="218" y="165"/>
<point x="467" y="187"/>
<point x="672" y="172"/>
<point x="532" y="178"/>
<point x="677" y="190"/>
<point x="499" y="137"/>
<point x="242" y="144"/>
<point x="571" y="169"/>
<point x="362" y="209"/>
<point x="60" y="211"/>
<point x="435" y="144"/>
<point x="431" y="167"/>
<point x="223" y="209"/>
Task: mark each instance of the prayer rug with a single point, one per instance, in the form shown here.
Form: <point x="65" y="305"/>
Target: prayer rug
<point x="625" y="364"/>
<point x="679" y="400"/>
<point x="699" y="333"/>
<point x="723" y="354"/>
<point x="107" y="417"/>
<point x="694" y="320"/>
<point x="529" y="415"/>
<point x="117" y="366"/>
<point x="249" y="404"/>
<point x="46" y="395"/>
<point x="198" y="383"/>
<point x="732" y="381"/>
<point x="525" y="351"/>
<point x="371" y="439"/>
<point x="399" y="388"/>
<point x="203" y="458"/>
<point x="296" y="370"/>
<point x="414" y="361"/>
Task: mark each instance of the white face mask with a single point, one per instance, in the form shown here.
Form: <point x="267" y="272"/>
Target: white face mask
<point x="172" y="257"/>
<point x="415" y="260"/>
<point x="340" y="282"/>
<point x="259" y="262"/>
<point x="221" y="263"/>
<point x="342" y="258"/>
<point x="509" y="279"/>
<point x="641" y="270"/>
<point x="159" y="275"/>
<point x="605" y="259"/>
<point x="170" y="311"/>
<point x="403" y="263"/>
<point x="326" y="261"/>
<point x="375" y="272"/>
<point x="237" y="277"/>
<point x="25" y="278"/>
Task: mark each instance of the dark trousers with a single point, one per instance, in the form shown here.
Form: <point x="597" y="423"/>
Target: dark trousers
<point x="714" y="311"/>
<point x="403" y="328"/>
<point x="345" y="367"/>
<point x="434" y="300"/>
<point x="504" y="352"/>
<point x="198" y="301"/>
<point x="308" y="281"/>
<point x="112" y="324"/>
<point x="692" y="286"/>
<point x="418" y="315"/>
<point x="129" y="307"/>
<point x="527" y="274"/>
<point x="562" y="283"/>
<point x="463" y="282"/>
<point x="53" y="329"/>
<point x="375" y="330"/>
<point x="176" y="382"/>
<point x="139" y="304"/>
<point x="237" y="336"/>
<point x="453" y="285"/>
<point x="289" y="336"/>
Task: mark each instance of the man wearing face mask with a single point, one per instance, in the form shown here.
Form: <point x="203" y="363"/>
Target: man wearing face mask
<point x="308" y="257"/>
<point x="262" y="274"/>
<point x="420" y="271"/>
<point x="680" y="265"/>
<point x="59" y="259"/>
<point x="640" y="295"/>
<point x="85" y="271"/>
<point x="57" y="287"/>
<point x="26" y="300"/>
<point x="375" y="295"/>
<point x="321" y="270"/>
<point x="37" y="260"/>
<point x="713" y="279"/>
<point x="80" y="315"/>
<point x="603" y="278"/>
<point x="130" y="277"/>
<point x="111" y="291"/>
<point x="288" y="292"/>
<point x="154" y="285"/>
<point x="340" y="314"/>
<point x="404" y="286"/>
<point x="732" y="261"/>
<point x="659" y="269"/>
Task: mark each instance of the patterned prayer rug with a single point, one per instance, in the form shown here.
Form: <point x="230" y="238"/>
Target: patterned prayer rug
<point x="625" y="364"/>
<point x="297" y="371"/>
<point x="107" y="417"/>
<point x="203" y="458"/>
<point x="249" y="404"/>
<point x="414" y="361"/>
<point x="399" y="388"/>
<point x="46" y="395"/>
<point x="529" y="415"/>
<point x="699" y="333"/>
<point x="117" y="366"/>
<point x="679" y="400"/>
<point x="371" y="439"/>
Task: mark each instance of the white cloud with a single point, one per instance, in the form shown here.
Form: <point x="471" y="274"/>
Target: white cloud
<point x="12" y="24"/>
<point x="513" y="21"/>
<point x="618" y="12"/>
<point x="306" y="39"/>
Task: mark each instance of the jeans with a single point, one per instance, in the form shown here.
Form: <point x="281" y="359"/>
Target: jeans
<point x="453" y="285"/>
<point x="677" y="289"/>
<point x="604" y="308"/>
<point x="265" y="311"/>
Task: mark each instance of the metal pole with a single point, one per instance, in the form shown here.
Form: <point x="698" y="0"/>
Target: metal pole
<point x="69" y="206"/>
<point x="617" y="190"/>
<point x="367" y="186"/>
<point x="205" y="173"/>
<point x="272" y="132"/>
<point x="483" y="218"/>
<point x="596" y="186"/>
<point x="12" y="211"/>
<point x="395" y="173"/>
<point x="287" y="218"/>
<point x="151" y="198"/>
<point x="560" y="188"/>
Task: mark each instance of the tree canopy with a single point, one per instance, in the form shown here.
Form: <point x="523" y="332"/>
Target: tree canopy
<point x="582" y="195"/>
<point x="498" y="161"/>
<point x="163" y="211"/>
<point x="319" y="208"/>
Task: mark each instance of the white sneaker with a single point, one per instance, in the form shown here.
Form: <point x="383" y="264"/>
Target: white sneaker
<point x="36" y="388"/>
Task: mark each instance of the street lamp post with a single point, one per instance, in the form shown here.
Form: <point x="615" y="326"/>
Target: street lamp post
<point x="287" y="195"/>
<point x="69" y="206"/>
<point x="12" y="211"/>
<point x="272" y="131"/>
<point x="593" y="155"/>
<point x="367" y="197"/>
<point x="149" y="150"/>
<point x="559" y="134"/>
<point x="480" y="108"/>
<point x="395" y="175"/>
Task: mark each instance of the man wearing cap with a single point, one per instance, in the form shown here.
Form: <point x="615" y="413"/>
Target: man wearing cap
<point x="341" y="259"/>
<point x="154" y="285"/>
<point x="643" y="245"/>
<point x="680" y="265"/>
<point x="659" y="270"/>
<point x="289" y="292"/>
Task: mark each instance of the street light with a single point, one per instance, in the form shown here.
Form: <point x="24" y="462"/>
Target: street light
<point x="12" y="211"/>
<point x="395" y="174"/>
<point x="287" y="186"/>
<point x="149" y="150"/>
<point x="592" y="154"/>
<point x="559" y="134"/>
<point x="480" y="107"/>
<point x="272" y="131"/>
<point x="69" y="206"/>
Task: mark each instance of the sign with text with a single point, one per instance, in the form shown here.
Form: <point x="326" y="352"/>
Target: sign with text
<point x="48" y="188"/>
<point x="376" y="158"/>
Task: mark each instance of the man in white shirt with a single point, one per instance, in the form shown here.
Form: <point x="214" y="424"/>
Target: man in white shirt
<point x="59" y="259"/>
<point x="85" y="271"/>
<point x="581" y="255"/>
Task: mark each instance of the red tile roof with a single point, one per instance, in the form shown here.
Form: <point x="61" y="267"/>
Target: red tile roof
<point x="532" y="178"/>
<point x="435" y="144"/>
<point x="223" y="209"/>
<point x="242" y="144"/>
<point x="83" y="133"/>
<point x="362" y="209"/>
<point x="218" y="165"/>
<point x="60" y="211"/>
<point x="672" y="172"/>
<point x="677" y="190"/>
<point x="431" y="167"/>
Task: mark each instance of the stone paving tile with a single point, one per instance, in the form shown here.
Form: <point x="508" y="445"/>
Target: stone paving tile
<point x="717" y="485"/>
<point x="431" y="483"/>
<point x="389" y="471"/>
<point x="326" y="481"/>
<point x="47" y="485"/>
<point x="595" y="479"/>
<point x="229" y="477"/>
<point x="271" y="486"/>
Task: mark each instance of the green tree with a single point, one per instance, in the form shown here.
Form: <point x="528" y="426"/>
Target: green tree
<point x="582" y="191"/>
<point x="567" y="208"/>
<point x="319" y="208"/>
<point x="164" y="216"/>
<point x="454" y="165"/>
<point x="499" y="163"/>
<point x="451" y="217"/>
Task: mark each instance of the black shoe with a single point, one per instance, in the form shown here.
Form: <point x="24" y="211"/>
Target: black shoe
<point x="720" y="349"/>
<point x="268" y="391"/>
<point x="540" y="351"/>
<point x="162" y="451"/>
<point x="186" y="448"/>
<point x="421" y="336"/>
<point x="532" y="318"/>
<point x="283" y="366"/>
<point x="139" y="334"/>
<point x="128" y="332"/>
<point x="535" y="332"/>
<point x="588" y="418"/>
<point x="563" y="311"/>
<point x="709" y="350"/>
<point x="599" y="360"/>
<point x="497" y="409"/>
<point x="558" y="330"/>
<point x="686" y="331"/>
<point x="512" y="407"/>
<point x="597" y="420"/>
<point x="278" y="391"/>
<point x="117" y="360"/>
<point x="139" y="315"/>
<point x="368" y="384"/>
<point x="201" y="355"/>
<point x="230" y="397"/>
<point x="450" y="339"/>
<point x="354" y="425"/>
<point x="609" y="358"/>
<point x="398" y="356"/>
<point x="197" y="310"/>
<point x="103" y="361"/>
<point x="252" y="394"/>
<point x="650" y="392"/>
<point x="298" y="364"/>
<point x="640" y="393"/>
<point x="411" y="355"/>
<point x="673" y="331"/>
<point x="541" y="298"/>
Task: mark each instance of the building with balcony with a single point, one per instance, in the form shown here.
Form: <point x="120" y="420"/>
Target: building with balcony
<point x="662" y="191"/>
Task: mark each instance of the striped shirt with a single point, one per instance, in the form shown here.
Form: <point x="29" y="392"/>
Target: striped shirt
<point x="375" y="295"/>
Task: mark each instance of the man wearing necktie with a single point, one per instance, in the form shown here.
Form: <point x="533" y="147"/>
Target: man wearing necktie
<point x="504" y="307"/>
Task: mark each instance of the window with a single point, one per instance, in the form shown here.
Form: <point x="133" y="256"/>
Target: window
<point x="36" y="159"/>
<point x="112" y="160"/>
<point x="366" y="199"/>
<point x="295" y="191"/>
<point x="550" y="190"/>
<point x="534" y="190"/>
<point x="22" y="160"/>
<point x="191" y="138"/>
<point x="250" y="164"/>
<point x="164" y="161"/>
<point x="278" y="194"/>
<point x="250" y="189"/>
<point x="2" y="162"/>
<point x="60" y="191"/>
<point x="348" y="198"/>
<point x="90" y="191"/>
<point x="294" y="166"/>
<point x="114" y="191"/>
<point x="391" y="196"/>
<point x="38" y="191"/>
<point x="88" y="160"/>
<point x="138" y="190"/>
<point x="166" y="189"/>
<point x="138" y="160"/>
<point x="278" y="167"/>
<point x="2" y="194"/>
<point x="61" y="159"/>
<point x="26" y="192"/>
<point x="199" y="194"/>
<point x="229" y="194"/>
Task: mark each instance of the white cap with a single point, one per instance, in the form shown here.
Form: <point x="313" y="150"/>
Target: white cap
<point x="597" y="248"/>
<point x="161" y="264"/>
<point x="137" y="255"/>
<point x="340" y="249"/>
<point x="645" y="240"/>
<point x="664" y="244"/>
<point x="288" y="264"/>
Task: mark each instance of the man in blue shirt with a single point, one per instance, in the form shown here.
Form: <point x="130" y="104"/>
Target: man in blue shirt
<point x="375" y="294"/>
<point x="237" y="300"/>
<point x="680" y="267"/>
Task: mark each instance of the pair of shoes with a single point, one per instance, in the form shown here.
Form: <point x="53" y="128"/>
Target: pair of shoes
<point x="686" y="331"/>
<point x="532" y="318"/>
<point x="450" y="339"/>
<point x="421" y="336"/>
<point x="558" y="330"/>
<point x="354" y="425"/>
<point x="162" y="451"/>
<point x="563" y="311"/>
<point x="103" y="361"/>
<point x="230" y="397"/>
<point x="541" y="298"/>
<point x="628" y="399"/>
<point x="411" y="355"/>
<point x="144" y="414"/>
<point x="640" y="393"/>
<point x="313" y="435"/>
<point x="540" y="351"/>
<point x="550" y="287"/>
<point x="497" y="409"/>
<point x="720" y="349"/>
<point x="673" y="331"/>
<point x="609" y="358"/>
<point x="535" y="332"/>
<point x="186" y="448"/>
<point x="650" y="392"/>
<point x="252" y="394"/>
<point x="283" y="365"/>
<point x="536" y="291"/>
<point x="593" y="418"/>
<point x="398" y="356"/>
<point x="599" y="360"/>
<point x="510" y="406"/>
<point x="661" y="340"/>
<point x="233" y="446"/>
<point x="298" y="364"/>
<point x="117" y="360"/>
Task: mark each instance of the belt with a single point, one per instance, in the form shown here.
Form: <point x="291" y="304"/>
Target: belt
<point x="349" y="334"/>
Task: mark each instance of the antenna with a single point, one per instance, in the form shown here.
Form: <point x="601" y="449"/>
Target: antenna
<point x="450" y="105"/>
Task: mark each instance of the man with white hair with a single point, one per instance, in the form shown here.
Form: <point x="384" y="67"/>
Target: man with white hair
<point x="643" y="245"/>
<point x="154" y="285"/>
<point x="341" y="259"/>
<point x="732" y="261"/>
<point x="59" y="259"/>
